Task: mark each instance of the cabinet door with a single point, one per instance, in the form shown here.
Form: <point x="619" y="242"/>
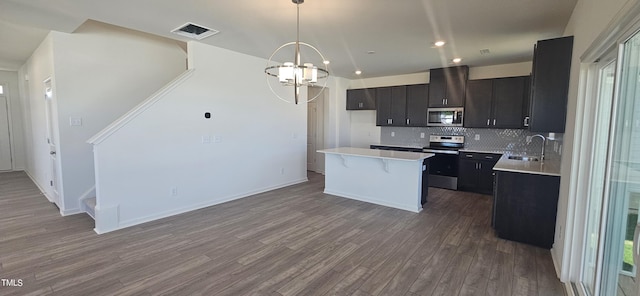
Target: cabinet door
<point x="398" y="105"/>
<point x="551" y="70"/>
<point x="477" y="110"/>
<point x="467" y="174"/>
<point x="456" y="82"/>
<point x="508" y="101"/>
<point x="417" y="102"/>
<point x="485" y="177"/>
<point x="361" y="99"/>
<point x="437" y="88"/>
<point x="383" y="106"/>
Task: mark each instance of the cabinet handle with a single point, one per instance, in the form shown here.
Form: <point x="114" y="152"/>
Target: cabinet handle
<point x="488" y="157"/>
<point x="494" y="121"/>
<point x="469" y="155"/>
<point x="407" y="121"/>
<point x="443" y="102"/>
<point x="446" y="101"/>
<point x="390" y="121"/>
<point x="480" y="165"/>
<point x="488" y="121"/>
<point x="360" y="105"/>
<point x="526" y="121"/>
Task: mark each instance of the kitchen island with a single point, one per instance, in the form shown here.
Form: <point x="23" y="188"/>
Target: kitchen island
<point x="394" y="179"/>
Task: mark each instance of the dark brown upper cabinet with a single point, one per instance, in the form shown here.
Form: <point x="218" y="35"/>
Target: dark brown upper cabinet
<point x="391" y="106"/>
<point x="447" y="86"/>
<point x="361" y="99"/>
<point x="550" y="84"/>
<point x="417" y="103"/>
<point x="496" y="103"/>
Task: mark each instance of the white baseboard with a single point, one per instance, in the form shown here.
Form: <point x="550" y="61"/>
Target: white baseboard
<point x="71" y="212"/>
<point x="42" y="191"/>
<point x="556" y="264"/>
<point x="129" y="223"/>
<point x="374" y="201"/>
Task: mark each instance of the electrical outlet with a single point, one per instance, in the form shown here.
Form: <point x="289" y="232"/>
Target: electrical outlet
<point x="393" y="134"/>
<point x="421" y="135"/>
<point x="75" y="121"/>
<point x="207" y="139"/>
<point x="174" y="191"/>
<point x="477" y="137"/>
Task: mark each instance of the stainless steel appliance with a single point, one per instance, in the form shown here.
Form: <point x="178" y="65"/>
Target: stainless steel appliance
<point x="445" y="116"/>
<point x="443" y="168"/>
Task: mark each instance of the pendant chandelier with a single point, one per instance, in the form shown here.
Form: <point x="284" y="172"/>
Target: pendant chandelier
<point x="298" y="73"/>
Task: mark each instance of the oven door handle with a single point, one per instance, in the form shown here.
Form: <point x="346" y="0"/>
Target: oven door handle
<point x="435" y="151"/>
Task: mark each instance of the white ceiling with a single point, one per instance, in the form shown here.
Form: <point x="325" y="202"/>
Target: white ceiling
<point x="401" y="32"/>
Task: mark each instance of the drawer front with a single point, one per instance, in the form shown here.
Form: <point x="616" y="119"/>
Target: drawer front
<point x="480" y="156"/>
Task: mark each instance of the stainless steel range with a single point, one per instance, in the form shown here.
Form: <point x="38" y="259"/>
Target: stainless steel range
<point x="443" y="167"/>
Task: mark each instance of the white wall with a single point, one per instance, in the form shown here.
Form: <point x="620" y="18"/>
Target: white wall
<point x="589" y="19"/>
<point x="363" y="129"/>
<point x="262" y="144"/>
<point x="101" y="71"/>
<point x="31" y="76"/>
<point x="10" y="79"/>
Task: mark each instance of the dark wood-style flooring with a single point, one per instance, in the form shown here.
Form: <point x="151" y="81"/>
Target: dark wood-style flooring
<point x="291" y="241"/>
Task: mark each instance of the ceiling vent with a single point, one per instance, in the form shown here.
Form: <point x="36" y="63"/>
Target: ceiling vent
<point x="485" y="51"/>
<point x="194" y="31"/>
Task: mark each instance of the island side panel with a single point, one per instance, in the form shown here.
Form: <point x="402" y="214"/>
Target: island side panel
<point x="367" y="179"/>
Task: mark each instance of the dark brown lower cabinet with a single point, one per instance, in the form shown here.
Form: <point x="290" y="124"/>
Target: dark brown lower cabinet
<point x="475" y="172"/>
<point x="525" y="206"/>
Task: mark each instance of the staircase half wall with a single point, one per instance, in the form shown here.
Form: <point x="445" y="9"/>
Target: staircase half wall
<point x="166" y="157"/>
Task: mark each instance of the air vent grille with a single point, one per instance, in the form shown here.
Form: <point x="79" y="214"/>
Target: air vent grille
<point x="194" y="31"/>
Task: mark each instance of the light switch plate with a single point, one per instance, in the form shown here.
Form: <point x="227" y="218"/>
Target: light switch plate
<point x="393" y="134"/>
<point x="421" y="135"/>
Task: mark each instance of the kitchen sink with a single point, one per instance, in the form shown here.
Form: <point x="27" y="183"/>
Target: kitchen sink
<point x="523" y="158"/>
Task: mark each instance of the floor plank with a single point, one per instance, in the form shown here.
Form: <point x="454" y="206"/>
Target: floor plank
<point x="291" y="241"/>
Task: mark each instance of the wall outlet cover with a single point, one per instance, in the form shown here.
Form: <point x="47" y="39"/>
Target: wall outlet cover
<point x="477" y="137"/>
<point x="393" y="134"/>
<point x="422" y="135"/>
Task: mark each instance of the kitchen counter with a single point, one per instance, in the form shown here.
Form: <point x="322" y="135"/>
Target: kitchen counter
<point x="394" y="179"/>
<point x="547" y="167"/>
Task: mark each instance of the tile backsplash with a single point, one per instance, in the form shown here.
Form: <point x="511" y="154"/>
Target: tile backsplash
<point x="504" y="140"/>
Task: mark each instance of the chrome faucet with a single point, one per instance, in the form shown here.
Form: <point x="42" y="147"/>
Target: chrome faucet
<point x="544" y="142"/>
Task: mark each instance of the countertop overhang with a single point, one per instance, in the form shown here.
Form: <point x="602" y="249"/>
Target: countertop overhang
<point x="375" y="153"/>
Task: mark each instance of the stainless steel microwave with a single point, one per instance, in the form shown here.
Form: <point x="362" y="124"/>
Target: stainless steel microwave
<point x="445" y="116"/>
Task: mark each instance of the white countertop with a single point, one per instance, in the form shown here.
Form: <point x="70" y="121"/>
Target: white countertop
<point x="550" y="168"/>
<point x="376" y="153"/>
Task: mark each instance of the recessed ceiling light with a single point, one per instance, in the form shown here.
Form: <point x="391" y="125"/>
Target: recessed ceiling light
<point x="439" y="43"/>
<point x="358" y="72"/>
<point x="326" y="62"/>
<point x="457" y="60"/>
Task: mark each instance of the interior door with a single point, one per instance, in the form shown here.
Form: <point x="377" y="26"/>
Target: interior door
<point x="5" y="140"/>
<point x="51" y="141"/>
<point x="312" y="110"/>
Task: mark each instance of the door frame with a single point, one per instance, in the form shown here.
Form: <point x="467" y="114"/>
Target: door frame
<point x="7" y="96"/>
<point x="55" y="169"/>
<point x="622" y="27"/>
